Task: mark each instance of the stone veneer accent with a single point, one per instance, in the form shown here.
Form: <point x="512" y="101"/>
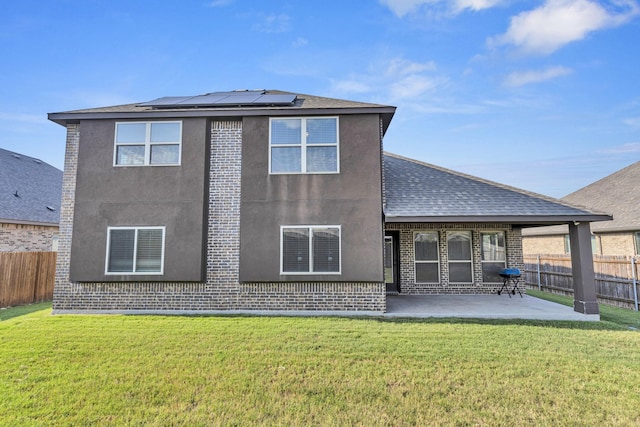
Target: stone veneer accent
<point x="407" y="273"/>
<point x="27" y="238"/>
<point x="222" y="290"/>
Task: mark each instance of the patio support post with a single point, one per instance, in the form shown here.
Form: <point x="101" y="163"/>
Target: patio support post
<point x="584" y="282"/>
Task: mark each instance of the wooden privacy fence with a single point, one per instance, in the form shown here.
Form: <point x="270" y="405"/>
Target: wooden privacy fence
<point x="26" y="277"/>
<point x="616" y="277"/>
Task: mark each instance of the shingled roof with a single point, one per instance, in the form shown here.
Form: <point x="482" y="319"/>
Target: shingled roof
<point x="302" y="104"/>
<point x="421" y="192"/>
<point x="30" y="190"/>
<point x="616" y="193"/>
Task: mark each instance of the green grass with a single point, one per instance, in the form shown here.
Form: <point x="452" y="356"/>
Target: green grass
<point x="626" y="319"/>
<point x="157" y="370"/>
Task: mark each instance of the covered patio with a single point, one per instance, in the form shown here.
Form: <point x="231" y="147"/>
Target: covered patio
<point x="482" y="307"/>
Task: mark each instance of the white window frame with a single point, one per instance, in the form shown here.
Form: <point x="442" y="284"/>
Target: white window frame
<point x="310" y="228"/>
<point x="303" y="145"/>
<point x="416" y="261"/>
<point x="482" y="261"/>
<point x="135" y="251"/>
<point x="636" y="241"/>
<point x="471" y="261"/>
<point x="147" y="144"/>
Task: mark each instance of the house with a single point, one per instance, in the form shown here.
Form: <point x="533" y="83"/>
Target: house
<point x="272" y="200"/>
<point x="29" y="203"/>
<point x="617" y="194"/>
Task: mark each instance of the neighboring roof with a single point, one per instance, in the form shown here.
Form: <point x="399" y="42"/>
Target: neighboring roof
<point x="616" y="193"/>
<point x="419" y="192"/>
<point x="171" y="107"/>
<point x="30" y="190"/>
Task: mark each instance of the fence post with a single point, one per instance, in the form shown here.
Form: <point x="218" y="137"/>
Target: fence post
<point x="538" y="268"/>
<point x="634" y="282"/>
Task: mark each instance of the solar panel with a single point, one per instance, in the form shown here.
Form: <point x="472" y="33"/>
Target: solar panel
<point x="222" y="99"/>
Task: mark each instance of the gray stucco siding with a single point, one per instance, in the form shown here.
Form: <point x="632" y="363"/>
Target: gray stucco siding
<point x="351" y="199"/>
<point x="169" y="196"/>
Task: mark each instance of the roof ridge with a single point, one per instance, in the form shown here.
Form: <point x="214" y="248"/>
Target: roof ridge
<point x="494" y="183"/>
<point x="620" y="172"/>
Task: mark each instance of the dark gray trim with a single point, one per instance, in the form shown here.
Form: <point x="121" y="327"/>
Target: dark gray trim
<point x="70" y="117"/>
<point x="533" y="219"/>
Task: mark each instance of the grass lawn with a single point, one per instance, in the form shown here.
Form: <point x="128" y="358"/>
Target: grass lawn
<point x="157" y="370"/>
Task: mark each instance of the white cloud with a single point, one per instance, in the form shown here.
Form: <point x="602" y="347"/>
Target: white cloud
<point x="300" y="41"/>
<point x="460" y="5"/>
<point x="274" y="24"/>
<point x="521" y="78"/>
<point x="412" y="86"/>
<point x="23" y="118"/>
<point x="631" y="147"/>
<point x="405" y="7"/>
<point x="633" y="122"/>
<point x="396" y="79"/>
<point x="219" y="3"/>
<point x="402" y="8"/>
<point x="559" y="22"/>
<point x="402" y="67"/>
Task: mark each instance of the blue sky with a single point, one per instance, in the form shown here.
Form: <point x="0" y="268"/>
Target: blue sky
<point x="541" y="95"/>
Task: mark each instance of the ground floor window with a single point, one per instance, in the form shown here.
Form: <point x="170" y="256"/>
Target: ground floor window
<point x="426" y="258"/>
<point x="637" y="235"/>
<point x="493" y="255"/>
<point x="310" y="249"/>
<point x="135" y="250"/>
<point x="459" y="255"/>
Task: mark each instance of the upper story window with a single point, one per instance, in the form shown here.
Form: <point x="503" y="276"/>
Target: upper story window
<point x="304" y="145"/>
<point x="148" y="143"/>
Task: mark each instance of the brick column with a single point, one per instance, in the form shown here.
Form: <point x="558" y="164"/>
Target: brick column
<point x="62" y="286"/>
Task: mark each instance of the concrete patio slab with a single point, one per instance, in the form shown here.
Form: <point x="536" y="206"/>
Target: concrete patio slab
<point x="482" y="307"/>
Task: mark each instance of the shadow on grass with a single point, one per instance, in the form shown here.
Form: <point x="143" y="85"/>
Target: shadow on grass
<point x="23" y="310"/>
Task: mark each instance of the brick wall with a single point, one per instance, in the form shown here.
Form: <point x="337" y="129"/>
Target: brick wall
<point x="617" y="243"/>
<point x="27" y="238"/>
<point x="407" y="270"/>
<point x="532" y="245"/>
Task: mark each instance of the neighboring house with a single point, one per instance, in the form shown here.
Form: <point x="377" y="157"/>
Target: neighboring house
<point x="616" y="194"/>
<point x="29" y="203"/>
<point x="270" y="200"/>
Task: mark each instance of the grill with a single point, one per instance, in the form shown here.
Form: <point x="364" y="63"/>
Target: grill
<point x="510" y="281"/>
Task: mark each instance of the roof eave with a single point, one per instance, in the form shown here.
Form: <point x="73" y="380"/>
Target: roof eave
<point x="510" y="219"/>
<point x="65" y="118"/>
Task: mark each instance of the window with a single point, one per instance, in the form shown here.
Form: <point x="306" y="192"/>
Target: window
<point x="493" y="256"/>
<point x="135" y="250"/>
<point x="459" y="255"/>
<point x="303" y="145"/>
<point x="307" y="249"/>
<point x="594" y="245"/>
<point x="147" y="143"/>
<point x="425" y="249"/>
<point x="637" y="238"/>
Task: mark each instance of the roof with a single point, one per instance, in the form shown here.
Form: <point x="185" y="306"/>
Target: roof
<point x="176" y="106"/>
<point x="419" y="192"/>
<point x="616" y="193"/>
<point x="30" y="190"/>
